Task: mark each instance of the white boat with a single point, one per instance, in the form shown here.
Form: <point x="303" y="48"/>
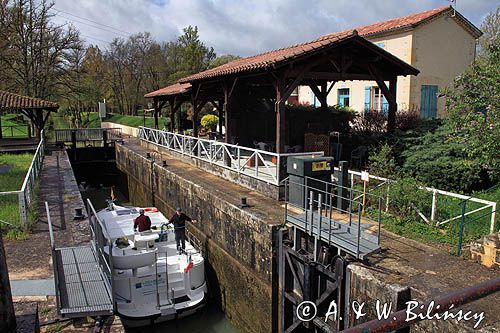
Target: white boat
<point x="151" y="282"/>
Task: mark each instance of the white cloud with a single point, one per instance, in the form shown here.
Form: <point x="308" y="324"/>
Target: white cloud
<point x="245" y="27"/>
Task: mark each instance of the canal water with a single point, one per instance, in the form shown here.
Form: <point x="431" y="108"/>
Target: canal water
<point x="95" y="183"/>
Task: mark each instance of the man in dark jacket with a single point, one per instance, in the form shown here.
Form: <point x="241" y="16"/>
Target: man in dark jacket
<point x="179" y="221"/>
<point x="142" y="221"/>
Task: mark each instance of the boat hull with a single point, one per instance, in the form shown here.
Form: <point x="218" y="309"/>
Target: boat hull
<point x="163" y="315"/>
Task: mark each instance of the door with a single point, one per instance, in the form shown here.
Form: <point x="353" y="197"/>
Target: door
<point x="428" y="102"/>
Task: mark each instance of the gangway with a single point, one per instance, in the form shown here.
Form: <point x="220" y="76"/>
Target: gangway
<point x="82" y="288"/>
<point x="333" y="217"/>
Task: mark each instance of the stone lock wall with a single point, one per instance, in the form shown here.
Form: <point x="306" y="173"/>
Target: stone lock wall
<point x="269" y="190"/>
<point x="237" y="245"/>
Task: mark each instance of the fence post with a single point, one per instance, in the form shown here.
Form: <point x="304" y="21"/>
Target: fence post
<point x="434" y="205"/>
<point x="461" y="233"/>
<point x="22" y="209"/>
<point x="493" y="218"/>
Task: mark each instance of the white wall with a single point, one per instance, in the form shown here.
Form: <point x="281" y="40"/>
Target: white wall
<point x="442" y="50"/>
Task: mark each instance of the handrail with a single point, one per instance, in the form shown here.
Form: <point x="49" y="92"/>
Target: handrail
<point x="53" y="252"/>
<point x="26" y="192"/>
<point x="433" y="205"/>
<point x="263" y="165"/>
<point x="462" y="226"/>
<point x="98" y="248"/>
<point x="87" y="134"/>
<point x="312" y="195"/>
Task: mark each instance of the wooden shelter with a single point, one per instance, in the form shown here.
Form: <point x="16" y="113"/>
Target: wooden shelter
<point x="37" y="110"/>
<point x="174" y="95"/>
<point x="274" y="75"/>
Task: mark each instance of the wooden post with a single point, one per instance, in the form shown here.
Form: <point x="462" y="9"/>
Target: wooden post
<point x="228" y="100"/>
<point x="172" y="114"/>
<point x="324" y="95"/>
<point x="194" y="103"/>
<point x="393" y="107"/>
<point x="156" y="111"/>
<point x="279" y="108"/>
<point x="7" y="316"/>
<point x="221" y="113"/>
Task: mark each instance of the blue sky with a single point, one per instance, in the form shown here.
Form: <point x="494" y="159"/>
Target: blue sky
<point x="243" y="27"/>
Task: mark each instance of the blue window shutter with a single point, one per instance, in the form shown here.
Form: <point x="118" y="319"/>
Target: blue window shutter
<point x="433" y="101"/>
<point x="428" y="102"/>
<point x="424" y="105"/>
<point x="367" y="98"/>
<point x="385" y="105"/>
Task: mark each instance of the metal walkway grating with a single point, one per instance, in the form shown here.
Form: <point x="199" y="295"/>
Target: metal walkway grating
<point x="338" y="233"/>
<point x="82" y="288"/>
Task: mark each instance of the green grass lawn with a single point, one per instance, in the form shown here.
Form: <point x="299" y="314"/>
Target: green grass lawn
<point x="12" y="180"/>
<point x="12" y="128"/>
<point x="136" y="121"/>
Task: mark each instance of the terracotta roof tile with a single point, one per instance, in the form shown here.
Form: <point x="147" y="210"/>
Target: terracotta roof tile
<point x="268" y="59"/>
<point x="173" y="89"/>
<point x="10" y="100"/>
<point x="397" y="24"/>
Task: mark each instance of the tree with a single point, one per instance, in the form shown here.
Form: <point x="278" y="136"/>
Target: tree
<point x="491" y="30"/>
<point x="473" y="110"/>
<point x="35" y="51"/>
<point x="127" y="61"/>
<point x="194" y="55"/>
<point x="224" y="59"/>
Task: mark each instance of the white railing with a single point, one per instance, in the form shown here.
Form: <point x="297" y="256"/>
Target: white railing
<point x="260" y="164"/>
<point x="25" y="194"/>
<point x="433" y="218"/>
<point x="88" y="134"/>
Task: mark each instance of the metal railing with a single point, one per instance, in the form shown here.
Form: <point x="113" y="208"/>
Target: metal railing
<point x="87" y="134"/>
<point x="194" y="241"/>
<point x="433" y="216"/>
<point x="100" y="239"/>
<point x="260" y="164"/>
<point x="463" y="223"/>
<point x="25" y="194"/>
<point x="53" y="254"/>
<point x="322" y="208"/>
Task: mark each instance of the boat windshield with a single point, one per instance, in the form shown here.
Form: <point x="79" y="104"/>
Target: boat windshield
<point x="122" y="212"/>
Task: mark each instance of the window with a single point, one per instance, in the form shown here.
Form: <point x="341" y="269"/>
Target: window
<point x="375" y="100"/>
<point x="343" y="97"/>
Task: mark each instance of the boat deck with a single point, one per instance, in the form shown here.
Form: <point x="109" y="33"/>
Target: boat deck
<point x="83" y="290"/>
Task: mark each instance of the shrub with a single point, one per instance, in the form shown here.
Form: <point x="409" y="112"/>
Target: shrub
<point x="439" y="162"/>
<point x="382" y="162"/>
<point x="405" y="197"/>
<point x="209" y="122"/>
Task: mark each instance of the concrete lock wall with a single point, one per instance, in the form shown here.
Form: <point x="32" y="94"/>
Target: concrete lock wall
<point x="236" y="244"/>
